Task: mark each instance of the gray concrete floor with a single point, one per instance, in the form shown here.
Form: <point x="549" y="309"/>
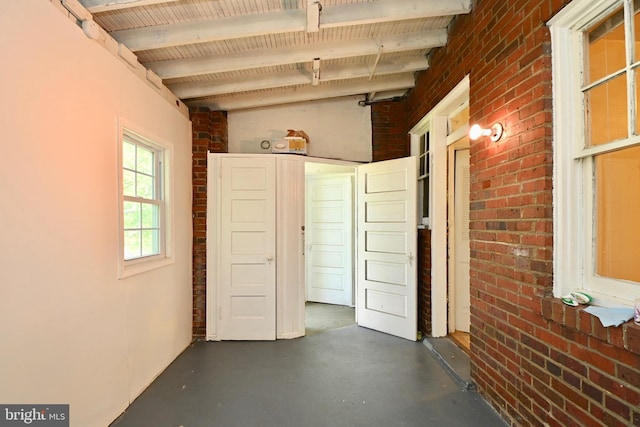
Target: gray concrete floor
<point x="322" y="317"/>
<point x="349" y="376"/>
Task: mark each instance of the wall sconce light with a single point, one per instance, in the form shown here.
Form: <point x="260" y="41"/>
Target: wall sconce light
<point x="495" y="132"/>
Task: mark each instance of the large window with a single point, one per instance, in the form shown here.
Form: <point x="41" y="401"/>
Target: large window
<point x="144" y="213"/>
<point x="596" y="60"/>
<point x="142" y="198"/>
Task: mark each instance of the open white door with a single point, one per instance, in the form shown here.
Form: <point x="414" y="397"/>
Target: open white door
<point x="387" y="247"/>
<point x="329" y="239"/>
<point x="247" y="303"/>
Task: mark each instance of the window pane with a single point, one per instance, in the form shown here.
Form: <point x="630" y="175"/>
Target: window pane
<point x="129" y="183"/>
<point x="425" y="197"/>
<point x="128" y="155"/>
<point x="131" y="244"/>
<point x="131" y="215"/>
<point x="618" y="212"/>
<point x="145" y="186"/>
<point x="145" y="161"/>
<point x="423" y="167"/>
<point x="149" y="215"/>
<point x="606" y="110"/>
<point x="149" y="242"/>
<point x="606" y="47"/>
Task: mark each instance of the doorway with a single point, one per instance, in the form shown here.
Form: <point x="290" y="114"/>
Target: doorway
<point x="329" y="247"/>
<point x="382" y="250"/>
<point x="329" y="239"/>
<point x="458" y="243"/>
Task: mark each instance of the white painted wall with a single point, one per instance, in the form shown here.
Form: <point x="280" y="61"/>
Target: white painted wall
<point x="70" y="331"/>
<point x="338" y="128"/>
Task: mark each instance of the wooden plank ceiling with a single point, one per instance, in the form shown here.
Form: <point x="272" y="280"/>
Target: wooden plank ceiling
<point x="237" y="54"/>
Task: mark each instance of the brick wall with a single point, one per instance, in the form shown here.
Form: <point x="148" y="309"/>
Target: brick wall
<point x="210" y="133"/>
<point x="389" y="130"/>
<point x="535" y="360"/>
<point x="424" y="282"/>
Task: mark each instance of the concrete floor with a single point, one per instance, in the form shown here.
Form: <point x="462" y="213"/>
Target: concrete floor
<point x="349" y="376"/>
<point x="322" y="317"/>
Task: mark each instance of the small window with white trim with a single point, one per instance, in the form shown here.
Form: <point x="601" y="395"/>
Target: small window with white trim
<point x="144" y="211"/>
<point x="424" y="178"/>
<point x="596" y="70"/>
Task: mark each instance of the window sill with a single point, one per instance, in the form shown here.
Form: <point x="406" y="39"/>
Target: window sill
<point x="128" y="270"/>
<point x="626" y="336"/>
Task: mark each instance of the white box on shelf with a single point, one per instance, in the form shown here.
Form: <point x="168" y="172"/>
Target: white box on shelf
<point x="289" y="145"/>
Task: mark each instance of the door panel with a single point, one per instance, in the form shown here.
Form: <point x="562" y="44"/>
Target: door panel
<point x="329" y="237"/>
<point x="387" y="245"/>
<point x="247" y="309"/>
<point x="387" y="272"/>
<point x="462" y="296"/>
<point x="386" y="242"/>
<point x="386" y="211"/>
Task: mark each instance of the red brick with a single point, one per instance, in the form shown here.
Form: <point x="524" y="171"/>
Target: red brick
<point x="209" y="132"/>
<point x="505" y="49"/>
<point x="388" y="119"/>
<point x="630" y="375"/>
<point x="617" y="407"/>
<point x="632" y="338"/>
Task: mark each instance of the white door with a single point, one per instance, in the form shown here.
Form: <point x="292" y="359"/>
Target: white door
<point x="329" y="238"/>
<point x="387" y="247"/>
<point x="290" y="265"/>
<point x="247" y="290"/>
<point x="461" y="257"/>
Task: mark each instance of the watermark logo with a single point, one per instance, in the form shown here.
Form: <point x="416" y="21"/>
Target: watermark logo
<point x="34" y="415"/>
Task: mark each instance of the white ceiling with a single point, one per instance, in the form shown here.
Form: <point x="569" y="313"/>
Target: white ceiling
<point x="236" y="54"/>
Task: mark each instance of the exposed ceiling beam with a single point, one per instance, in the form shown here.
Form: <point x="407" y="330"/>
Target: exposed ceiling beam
<point x="220" y="87"/>
<point x="309" y="93"/>
<point x="229" y="28"/>
<point x="384" y="68"/>
<point x="291" y="55"/>
<point x="162" y="36"/>
<point x="390" y="10"/>
<point x="77" y="9"/>
<point x="95" y="6"/>
<point x="294" y="78"/>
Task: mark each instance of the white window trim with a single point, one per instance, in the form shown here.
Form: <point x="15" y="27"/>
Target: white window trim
<point x="423" y="222"/>
<point x="571" y="262"/>
<point x="127" y="268"/>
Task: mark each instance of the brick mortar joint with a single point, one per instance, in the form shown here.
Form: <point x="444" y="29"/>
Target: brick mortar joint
<point x="556" y="303"/>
